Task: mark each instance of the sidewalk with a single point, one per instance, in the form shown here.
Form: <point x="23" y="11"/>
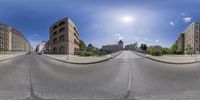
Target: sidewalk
<point x="173" y="59"/>
<point x="74" y="59"/>
<point x="4" y="57"/>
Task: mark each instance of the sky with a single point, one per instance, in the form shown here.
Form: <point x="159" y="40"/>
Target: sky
<point x="101" y="22"/>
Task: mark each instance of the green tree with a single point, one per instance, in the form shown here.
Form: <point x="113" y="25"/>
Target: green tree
<point x="143" y="47"/>
<point x="164" y="51"/>
<point x="155" y="51"/>
<point x="82" y="46"/>
<point x="189" y="49"/>
<point x="174" y="49"/>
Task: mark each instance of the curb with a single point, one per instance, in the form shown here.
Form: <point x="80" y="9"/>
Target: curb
<point x="138" y="54"/>
<point x="166" y="62"/>
<point x="5" y="59"/>
<point x="172" y="62"/>
<point x="9" y="58"/>
<point x="84" y="63"/>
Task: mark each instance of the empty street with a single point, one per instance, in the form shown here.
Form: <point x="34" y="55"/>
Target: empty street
<point x="127" y="76"/>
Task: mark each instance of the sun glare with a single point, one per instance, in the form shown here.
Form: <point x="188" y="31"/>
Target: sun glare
<point x="127" y="19"/>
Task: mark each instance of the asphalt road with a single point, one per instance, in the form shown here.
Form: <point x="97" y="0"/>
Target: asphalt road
<point x="125" y="77"/>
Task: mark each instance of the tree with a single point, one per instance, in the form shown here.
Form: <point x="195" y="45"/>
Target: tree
<point x="155" y="51"/>
<point x="189" y="49"/>
<point x="82" y="46"/>
<point x="90" y="47"/>
<point x="143" y="47"/>
<point x="174" y="48"/>
<point x="165" y="51"/>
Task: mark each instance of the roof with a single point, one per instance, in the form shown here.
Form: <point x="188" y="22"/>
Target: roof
<point x="120" y="41"/>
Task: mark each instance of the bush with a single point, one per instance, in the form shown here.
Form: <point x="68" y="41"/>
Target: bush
<point x="154" y="51"/>
<point x="84" y="53"/>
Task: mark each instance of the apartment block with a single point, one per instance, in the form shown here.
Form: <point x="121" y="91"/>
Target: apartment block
<point x="46" y="47"/>
<point x="11" y="40"/>
<point x="131" y="46"/>
<point x="192" y="37"/>
<point x="64" y="37"/>
<point x="4" y="39"/>
<point x="110" y="48"/>
<point x="181" y="42"/>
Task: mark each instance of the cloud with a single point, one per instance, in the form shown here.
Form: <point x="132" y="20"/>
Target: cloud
<point x="183" y="14"/>
<point x="118" y="34"/>
<point x="172" y="23"/>
<point x="34" y="43"/>
<point x="32" y="36"/>
<point x="35" y="35"/>
<point x="187" y="19"/>
<point x="156" y="40"/>
<point x="120" y="37"/>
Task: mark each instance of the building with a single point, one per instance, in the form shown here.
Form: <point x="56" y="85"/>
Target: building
<point x="192" y="37"/>
<point x="12" y="40"/>
<point x="181" y="42"/>
<point x="120" y="45"/>
<point x="40" y="48"/>
<point x="131" y="46"/>
<point x="90" y="48"/>
<point x="64" y="37"/>
<point x="46" y="47"/>
<point x="17" y="41"/>
<point x="4" y="38"/>
<point x="112" y="47"/>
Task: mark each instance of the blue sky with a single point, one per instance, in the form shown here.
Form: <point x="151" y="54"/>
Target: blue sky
<point x="154" y="22"/>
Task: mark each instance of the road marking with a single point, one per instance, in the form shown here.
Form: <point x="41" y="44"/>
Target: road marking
<point x="130" y="76"/>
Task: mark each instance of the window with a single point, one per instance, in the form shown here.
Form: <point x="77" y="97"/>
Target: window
<point x="54" y="49"/>
<point x="55" y="27"/>
<point x="76" y="35"/>
<point x="62" y="23"/>
<point x="61" y="29"/>
<point x="76" y="30"/>
<point x="62" y="49"/>
<point x="54" y="33"/>
<point x="75" y="41"/>
<point x="55" y="40"/>
<point x="62" y="38"/>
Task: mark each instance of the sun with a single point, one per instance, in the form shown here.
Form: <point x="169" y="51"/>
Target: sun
<point x="127" y="19"/>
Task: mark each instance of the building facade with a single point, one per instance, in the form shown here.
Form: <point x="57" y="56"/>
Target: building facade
<point x="11" y="40"/>
<point x="131" y="46"/>
<point x="46" y="47"/>
<point x="192" y="37"/>
<point x="4" y="39"/>
<point x="181" y="42"/>
<point x="64" y="37"/>
<point x="40" y="48"/>
<point x="112" y="47"/>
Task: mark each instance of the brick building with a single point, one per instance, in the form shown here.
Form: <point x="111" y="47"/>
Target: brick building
<point x="11" y="40"/>
<point x="64" y="37"/>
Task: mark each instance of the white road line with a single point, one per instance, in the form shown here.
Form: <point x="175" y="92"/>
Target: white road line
<point x="130" y="77"/>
